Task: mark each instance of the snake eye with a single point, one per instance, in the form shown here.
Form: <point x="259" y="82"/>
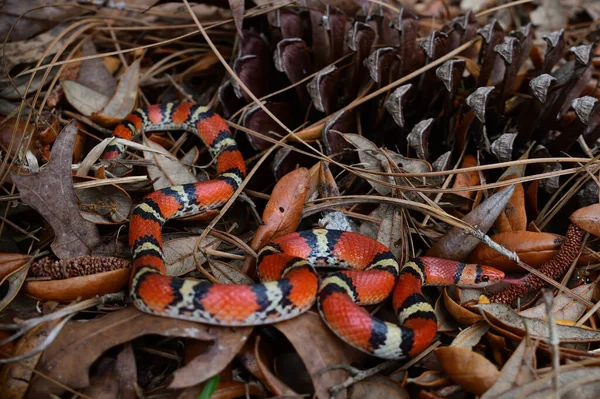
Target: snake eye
<point x="485" y="279"/>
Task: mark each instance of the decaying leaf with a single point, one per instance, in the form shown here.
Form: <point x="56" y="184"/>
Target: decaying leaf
<point x="330" y="351"/>
<point x="456" y="243"/>
<point x="51" y="193"/>
<point x="467" y="368"/>
<point x="69" y="357"/>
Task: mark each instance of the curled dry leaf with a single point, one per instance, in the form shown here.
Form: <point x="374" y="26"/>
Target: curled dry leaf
<point x="166" y="171"/>
<point x="50" y="192"/>
<point x="83" y="99"/>
<point x="325" y="350"/>
<point x="469" y="337"/>
<point x="123" y="100"/>
<point x="564" y="306"/>
<point x="467" y="179"/>
<point x="179" y="254"/>
<point x="11" y="284"/>
<point x="457" y="244"/>
<point x="255" y="359"/>
<point x="587" y="219"/>
<point x="376" y="388"/>
<point x="15" y="376"/>
<point x="574" y="384"/>
<point x="372" y="158"/>
<point x="460" y="314"/>
<point x="533" y="248"/>
<point x="80" y="344"/>
<point x="468" y="369"/>
<point x="516" y="371"/>
<point x="10" y="262"/>
<point x="82" y="287"/>
<point x="108" y="204"/>
<point x="504" y="317"/>
<point x="283" y="211"/>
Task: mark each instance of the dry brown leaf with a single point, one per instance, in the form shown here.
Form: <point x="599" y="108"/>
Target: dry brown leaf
<point x="83" y="287"/>
<point x="11" y="262"/>
<point x="376" y="389"/>
<point x="457" y="244"/>
<point x="588" y="219"/>
<point x="468" y="369"/>
<point x="325" y="349"/>
<point x="460" y="314"/>
<point x="124" y="99"/>
<point x="467" y="179"/>
<point x="581" y="383"/>
<point x="93" y="72"/>
<point x="517" y="370"/>
<point x="506" y="318"/>
<point x="228" y="274"/>
<point x="564" y="306"/>
<point x="179" y="254"/>
<point x="79" y="344"/>
<point x="471" y="336"/>
<point x="430" y="379"/>
<point x="108" y="204"/>
<point x="513" y="216"/>
<point x="283" y="211"/>
<point x="372" y="158"/>
<point x="15" y="377"/>
<point x="50" y="192"/>
<point x="533" y="248"/>
<point x="11" y="284"/>
<point x="85" y="100"/>
<point x="166" y="171"/>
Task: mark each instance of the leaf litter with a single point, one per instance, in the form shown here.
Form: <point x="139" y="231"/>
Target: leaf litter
<point x="466" y="136"/>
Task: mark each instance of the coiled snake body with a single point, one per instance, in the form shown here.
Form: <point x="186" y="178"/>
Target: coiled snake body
<point x="289" y="284"/>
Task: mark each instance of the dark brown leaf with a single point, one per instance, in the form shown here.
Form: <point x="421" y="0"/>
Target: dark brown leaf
<point x="50" y="192"/>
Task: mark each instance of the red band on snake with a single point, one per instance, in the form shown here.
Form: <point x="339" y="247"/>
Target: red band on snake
<point x="286" y="266"/>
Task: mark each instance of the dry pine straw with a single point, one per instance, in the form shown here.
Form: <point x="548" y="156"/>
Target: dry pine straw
<point x="555" y="268"/>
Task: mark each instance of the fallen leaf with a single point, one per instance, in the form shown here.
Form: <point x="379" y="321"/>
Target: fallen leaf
<point x="83" y="287"/>
<point x="325" y="349"/>
<point x="50" y="192"/>
<point x="283" y="211"/>
<point x="83" y="99"/>
<point x="587" y="219"/>
<point x="564" y="306"/>
<point x="514" y="215"/>
<point x="179" y="254"/>
<point x="506" y="318"/>
<point x="93" y="72"/>
<point x="124" y="99"/>
<point x="80" y="343"/>
<point x="457" y="244"/>
<point x="376" y="390"/>
<point x="11" y="284"/>
<point x="166" y="171"/>
<point x="10" y="262"/>
<point x="108" y="204"/>
<point x="470" y="336"/>
<point x="15" y="377"/>
<point x="237" y="9"/>
<point x="372" y="158"/>
<point x="533" y="248"/>
<point x="574" y="384"/>
<point x="467" y="179"/>
<point x="473" y="372"/>
<point x="516" y="371"/>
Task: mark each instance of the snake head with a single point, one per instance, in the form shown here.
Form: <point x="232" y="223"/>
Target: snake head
<point x="479" y="276"/>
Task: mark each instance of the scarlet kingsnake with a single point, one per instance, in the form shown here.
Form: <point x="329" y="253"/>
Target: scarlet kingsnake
<point x="289" y="283"/>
